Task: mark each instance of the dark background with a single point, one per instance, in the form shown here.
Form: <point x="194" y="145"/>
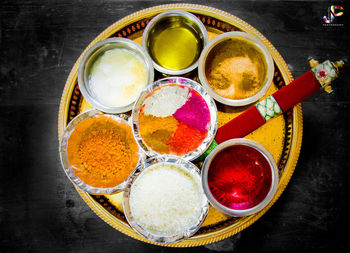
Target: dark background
<point x="40" y="211"/>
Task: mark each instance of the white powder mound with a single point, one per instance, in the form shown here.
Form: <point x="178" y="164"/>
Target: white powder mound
<point x="166" y="200"/>
<point x="117" y="77"/>
<point x="166" y="100"/>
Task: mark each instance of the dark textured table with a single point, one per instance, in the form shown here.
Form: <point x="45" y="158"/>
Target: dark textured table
<point x="40" y="211"/>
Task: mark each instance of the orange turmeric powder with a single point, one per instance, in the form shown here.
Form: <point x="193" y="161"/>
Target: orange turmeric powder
<point x="156" y="131"/>
<point x="102" y="151"/>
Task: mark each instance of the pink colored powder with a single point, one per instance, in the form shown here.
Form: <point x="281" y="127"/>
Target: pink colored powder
<point x="194" y="112"/>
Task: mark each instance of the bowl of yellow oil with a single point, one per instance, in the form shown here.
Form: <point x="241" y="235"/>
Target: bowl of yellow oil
<point x="174" y="41"/>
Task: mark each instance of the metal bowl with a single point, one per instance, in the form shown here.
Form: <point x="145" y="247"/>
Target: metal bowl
<point x="182" y="82"/>
<point x="274" y="176"/>
<point x="92" y="55"/>
<point x="121" y="118"/>
<point x="187" y="166"/>
<point x="259" y="45"/>
<point x="169" y="17"/>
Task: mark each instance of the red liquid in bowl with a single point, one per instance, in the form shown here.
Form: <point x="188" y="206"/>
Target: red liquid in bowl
<point x="239" y="177"/>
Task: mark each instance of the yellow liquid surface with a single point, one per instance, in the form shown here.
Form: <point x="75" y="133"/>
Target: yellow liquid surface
<point x="175" y="48"/>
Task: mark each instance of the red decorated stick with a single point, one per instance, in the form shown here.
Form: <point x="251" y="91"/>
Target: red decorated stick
<point x="320" y="75"/>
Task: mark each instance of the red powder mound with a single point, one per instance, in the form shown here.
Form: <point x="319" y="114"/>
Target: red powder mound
<point x="185" y="139"/>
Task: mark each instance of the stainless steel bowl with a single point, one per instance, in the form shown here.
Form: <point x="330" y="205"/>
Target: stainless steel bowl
<point x="259" y="46"/>
<point x="166" y="17"/>
<point x="67" y="167"/>
<point x="212" y="128"/>
<point x="92" y="55"/>
<point x="187" y="166"/>
<point x="274" y="175"/>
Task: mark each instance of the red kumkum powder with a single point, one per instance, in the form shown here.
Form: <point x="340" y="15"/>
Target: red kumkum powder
<point x="185" y="139"/>
<point x="239" y="177"/>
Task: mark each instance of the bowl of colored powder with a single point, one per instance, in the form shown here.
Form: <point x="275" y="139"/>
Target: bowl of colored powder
<point x="164" y="200"/>
<point x="174" y="40"/>
<point x="98" y="152"/>
<point x="113" y="72"/>
<point x="236" y="68"/>
<point x="240" y="177"/>
<point x="175" y="116"/>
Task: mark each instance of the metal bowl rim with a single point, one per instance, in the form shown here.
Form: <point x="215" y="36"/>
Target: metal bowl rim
<point x="274" y="174"/>
<point x="260" y="45"/>
<point x="187" y="166"/>
<point x="162" y="15"/>
<point x="64" y="156"/>
<point x="127" y="43"/>
<point x="212" y="128"/>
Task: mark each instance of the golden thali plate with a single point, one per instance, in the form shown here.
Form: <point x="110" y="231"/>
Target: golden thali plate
<point x="281" y="136"/>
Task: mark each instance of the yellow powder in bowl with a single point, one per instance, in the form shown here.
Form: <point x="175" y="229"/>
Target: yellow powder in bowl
<point x="102" y="151"/>
<point x="155" y="136"/>
<point x="236" y="69"/>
